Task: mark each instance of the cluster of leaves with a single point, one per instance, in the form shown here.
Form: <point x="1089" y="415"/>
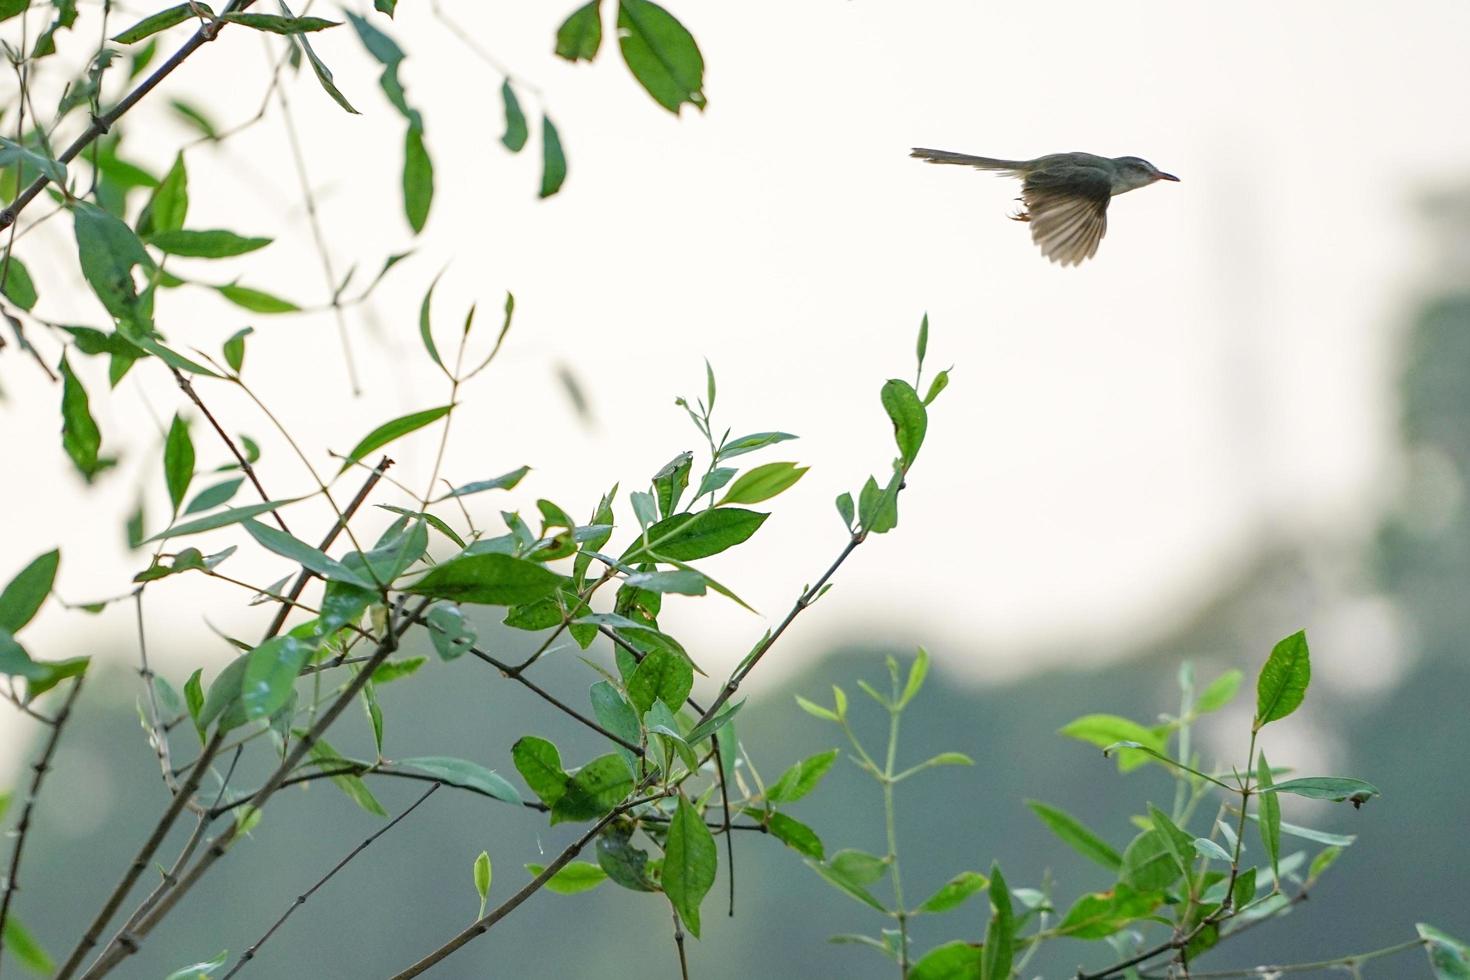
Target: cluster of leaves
<point x="1198" y="890"/>
<point x="675" y="773"/>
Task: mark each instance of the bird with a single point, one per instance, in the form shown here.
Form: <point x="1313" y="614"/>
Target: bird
<point x="1064" y="196"/>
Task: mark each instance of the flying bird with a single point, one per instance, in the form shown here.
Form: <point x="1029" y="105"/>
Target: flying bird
<point x="1064" y="196"/>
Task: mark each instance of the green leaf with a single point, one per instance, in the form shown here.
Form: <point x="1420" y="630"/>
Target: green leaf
<point x="594" y="790"/>
<point x="194" y="699"/>
<point x="303" y="554"/>
<point x="350" y="784"/>
<point x="618" y="717"/>
<point x="80" y="436"/>
<point x="482" y="872"/>
<point x="846" y="885"/>
<point x="750" y="443"/>
<point x="195" y="118"/>
<point x="515" y="120"/>
<point x="28" y="952"/>
<point x="160" y="21"/>
<point x="451" y="634"/>
<point x="580" y="35"/>
<point x="704" y="730"/>
<point x="715" y="479"/>
<point x="1076" y="835"/>
<point x="224" y="518"/>
<point x="323" y="73"/>
<point x="953" y="893"/>
<point x="689" y="537"/>
<point x="801" y="778"/>
<point x="1104" y="730"/>
<point x="858" y="866"/>
<point x="274" y="24"/>
<point x="1245" y="889"/>
<point x="1101" y="914"/>
<point x="505" y="481"/>
<point x="1148" y="865"/>
<point x="878" y="506"/>
<point x="418" y="177"/>
<point x="25" y="593"/>
<point x="178" y="461"/>
<point x="108" y="249"/>
<point x="394" y="670"/>
<point x="795" y="835"/>
<point x="234" y="348"/>
<point x="573" y="879"/>
<point x="1335" y="788"/>
<point x="1179" y="844"/>
<point x="13" y="153"/>
<point x="670" y="482"/>
<point x="539" y="764"/>
<point x="395" y="429"/>
<point x="763" y="483"/>
<point x="460" y="772"/>
<point x="223" y="700"/>
<point x="1448" y="957"/>
<point x="662" y="676"/>
<point x="487" y="579"/>
<point x="625" y="864"/>
<point x="940" y="382"/>
<point x="426" y="329"/>
<point x="682" y="582"/>
<point x="211" y="244"/>
<point x="1000" y="934"/>
<point x="954" y="960"/>
<point x="169" y="204"/>
<point x="204" y="969"/>
<point x="690" y="860"/>
<point x="1220" y="692"/>
<point x="910" y="420"/>
<point x="1207" y="848"/>
<point x="256" y="300"/>
<point x="816" y="710"/>
<point x="385" y="6"/>
<point x="1282" y="684"/>
<point x="553" y="159"/>
<point x="918" y="670"/>
<point x="20" y="289"/>
<point x="845" y="509"/>
<point x="1268" y="809"/>
<point x="662" y="55"/>
<point x="270" y="675"/>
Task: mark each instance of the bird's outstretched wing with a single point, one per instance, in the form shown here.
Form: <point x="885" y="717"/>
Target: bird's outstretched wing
<point x="1068" y="211"/>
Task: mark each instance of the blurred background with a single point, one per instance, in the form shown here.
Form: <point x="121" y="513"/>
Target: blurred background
<point x="1246" y="416"/>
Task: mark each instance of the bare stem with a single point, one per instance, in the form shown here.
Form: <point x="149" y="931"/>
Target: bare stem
<point x="39" y="769"/>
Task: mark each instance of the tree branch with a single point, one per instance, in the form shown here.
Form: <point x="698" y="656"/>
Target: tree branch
<point x="40" y="768"/>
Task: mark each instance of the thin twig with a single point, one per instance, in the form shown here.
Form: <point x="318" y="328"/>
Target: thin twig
<point x="309" y="199"/>
<point x="299" y="585"/>
<point x="249" y="953"/>
<point x="188" y="388"/>
<point x="220" y="844"/>
<point x="482" y="925"/>
<point x="679" y="943"/>
<point x="101" y="124"/>
<point x="806" y="599"/>
<point x="1341" y="962"/>
<point x="140" y="861"/>
<point x="22" y="829"/>
<point x="155" y="718"/>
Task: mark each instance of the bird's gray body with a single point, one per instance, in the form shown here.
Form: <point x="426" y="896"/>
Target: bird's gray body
<point x="1065" y="194"/>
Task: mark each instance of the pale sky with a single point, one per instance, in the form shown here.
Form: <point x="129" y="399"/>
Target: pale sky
<point x="1116" y="437"/>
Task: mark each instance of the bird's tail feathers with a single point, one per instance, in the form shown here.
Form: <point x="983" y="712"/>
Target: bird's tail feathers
<point x="966" y="160"/>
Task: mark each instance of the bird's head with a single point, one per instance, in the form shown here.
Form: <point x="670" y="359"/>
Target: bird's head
<point x="1135" y="172"/>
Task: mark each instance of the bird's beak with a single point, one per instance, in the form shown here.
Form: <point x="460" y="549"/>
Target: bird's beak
<point x="1164" y="176"/>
